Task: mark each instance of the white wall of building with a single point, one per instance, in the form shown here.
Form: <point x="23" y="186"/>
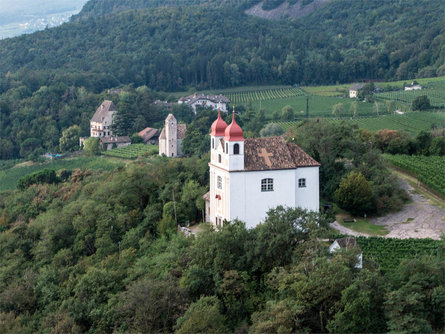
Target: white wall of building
<point x="103" y="128"/>
<point x="249" y="204"/>
<point x="352" y="93"/>
<point x="309" y="196"/>
<point x="241" y="196"/>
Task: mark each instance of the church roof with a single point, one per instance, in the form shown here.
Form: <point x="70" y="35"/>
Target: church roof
<point x="218" y="126"/>
<point x="273" y="153"/>
<point x="233" y="131"/>
<point x="106" y="107"/>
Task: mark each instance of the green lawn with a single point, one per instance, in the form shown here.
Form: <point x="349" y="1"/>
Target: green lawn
<point x="363" y="226"/>
<point x="9" y="177"/>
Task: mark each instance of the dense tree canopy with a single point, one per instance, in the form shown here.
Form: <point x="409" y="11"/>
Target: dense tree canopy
<point x="86" y="254"/>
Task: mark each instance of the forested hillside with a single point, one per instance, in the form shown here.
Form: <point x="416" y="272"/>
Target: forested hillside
<point x="55" y="78"/>
<point x="172" y="48"/>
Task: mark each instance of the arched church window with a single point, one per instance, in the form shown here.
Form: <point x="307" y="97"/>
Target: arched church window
<point x="213" y="143"/>
<point x="236" y="149"/>
<point x="267" y="184"/>
<point x="227" y="147"/>
<point x="219" y="158"/>
<point x="219" y="182"/>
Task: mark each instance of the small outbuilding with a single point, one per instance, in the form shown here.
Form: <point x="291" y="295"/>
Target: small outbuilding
<point x="353" y="90"/>
<point x="346" y="244"/>
<point x="108" y="143"/>
<point x="150" y="136"/>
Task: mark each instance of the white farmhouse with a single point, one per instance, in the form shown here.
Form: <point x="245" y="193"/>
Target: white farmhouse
<point x="346" y="244"/>
<point x="250" y="176"/>
<point x="413" y="86"/>
<point x="353" y="90"/>
<point x="216" y="102"/>
<point x="171" y="137"/>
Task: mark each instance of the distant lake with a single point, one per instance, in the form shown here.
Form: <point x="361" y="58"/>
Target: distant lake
<point x="26" y="16"/>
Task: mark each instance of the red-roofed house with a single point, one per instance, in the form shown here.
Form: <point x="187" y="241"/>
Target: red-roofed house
<point x="149" y="136"/>
<point x="250" y="176"/>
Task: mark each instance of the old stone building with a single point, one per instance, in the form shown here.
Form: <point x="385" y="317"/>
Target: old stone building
<point x="100" y="124"/>
<point x="171" y="137"/>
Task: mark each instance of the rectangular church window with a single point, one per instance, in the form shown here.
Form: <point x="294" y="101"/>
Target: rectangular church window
<point x="267" y="185"/>
<point x="301" y="183"/>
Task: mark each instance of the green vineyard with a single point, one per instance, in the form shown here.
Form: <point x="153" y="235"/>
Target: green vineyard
<point x="435" y="91"/>
<point x="132" y="151"/>
<point x="388" y="252"/>
<point x="242" y="97"/>
<point x="412" y="122"/>
<point x="429" y="170"/>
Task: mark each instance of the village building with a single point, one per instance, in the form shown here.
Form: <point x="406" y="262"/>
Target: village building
<point x="347" y="244"/>
<point x="216" y="102"/>
<point x="171" y="137"/>
<point x="100" y="124"/>
<point x="353" y="90"/>
<point x="250" y="176"/>
<point x="149" y="136"/>
<point x="109" y="143"/>
<point x="413" y="86"/>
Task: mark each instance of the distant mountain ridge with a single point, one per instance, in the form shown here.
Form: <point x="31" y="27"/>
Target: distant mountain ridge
<point x="95" y="8"/>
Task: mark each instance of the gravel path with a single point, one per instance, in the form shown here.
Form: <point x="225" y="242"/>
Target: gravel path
<point x="418" y="219"/>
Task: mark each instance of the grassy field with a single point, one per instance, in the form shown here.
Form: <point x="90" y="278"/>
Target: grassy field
<point x="9" y="177"/>
<point x="132" y="151"/>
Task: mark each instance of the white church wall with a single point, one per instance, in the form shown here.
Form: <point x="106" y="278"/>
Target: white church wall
<point x="307" y="197"/>
<point x="249" y="204"/>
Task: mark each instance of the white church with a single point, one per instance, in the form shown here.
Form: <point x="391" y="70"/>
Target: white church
<point x="250" y="176"/>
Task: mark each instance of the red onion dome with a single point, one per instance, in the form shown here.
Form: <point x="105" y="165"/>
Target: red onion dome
<point x="233" y="131"/>
<point x="218" y="126"/>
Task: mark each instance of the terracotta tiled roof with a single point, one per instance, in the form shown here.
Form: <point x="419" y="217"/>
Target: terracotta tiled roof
<point x="103" y="110"/>
<point x="301" y="158"/>
<point x="110" y="140"/>
<point x="182" y="129"/>
<point x="148" y="133"/>
<point x="274" y="153"/>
